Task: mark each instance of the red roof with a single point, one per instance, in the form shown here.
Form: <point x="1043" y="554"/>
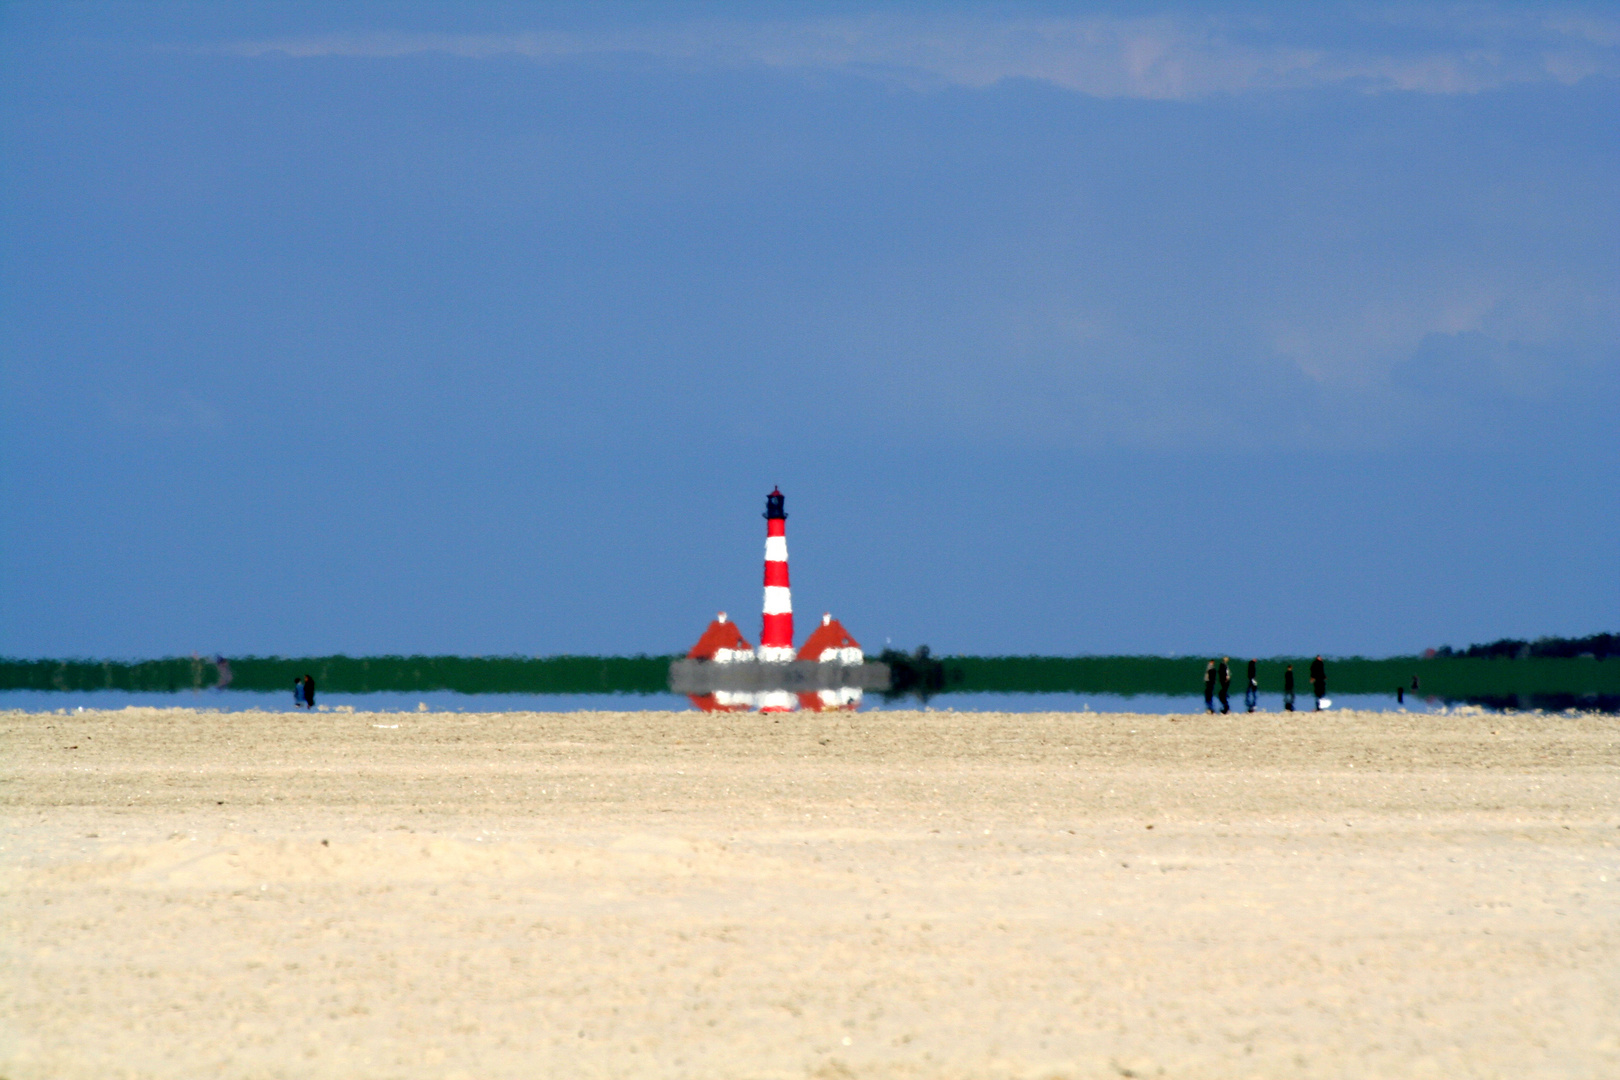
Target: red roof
<point x="721" y="634"/>
<point x="829" y="635"/>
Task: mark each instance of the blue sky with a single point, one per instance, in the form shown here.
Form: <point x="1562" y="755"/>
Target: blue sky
<point x="485" y="329"/>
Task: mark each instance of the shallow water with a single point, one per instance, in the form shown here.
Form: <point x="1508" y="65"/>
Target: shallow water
<point x="1014" y="684"/>
<point x="381" y="701"/>
<point x="50" y="701"/>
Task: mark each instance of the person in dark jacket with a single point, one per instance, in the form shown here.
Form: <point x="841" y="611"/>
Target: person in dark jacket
<point x="1209" y="686"/>
<point x="309" y="691"/>
<point x="1251" y="693"/>
<point x="1288" y="688"/>
<point x="1319" y="679"/>
<point x="1226" y="684"/>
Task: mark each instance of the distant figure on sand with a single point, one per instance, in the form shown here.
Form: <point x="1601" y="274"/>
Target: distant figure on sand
<point x="309" y="691"/>
<point x="1251" y="695"/>
<point x="304" y="693"/>
<point x="1288" y="688"/>
<point x="1209" y="686"/>
<point x="1226" y="684"/>
<point x="298" y="693"/>
<point x="1319" y="679"/>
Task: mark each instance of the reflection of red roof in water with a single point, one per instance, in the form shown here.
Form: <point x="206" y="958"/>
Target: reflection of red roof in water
<point x="721" y="634"/>
<point x="829" y="635"/>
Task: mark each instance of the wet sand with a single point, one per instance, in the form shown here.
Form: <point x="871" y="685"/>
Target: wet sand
<point x="941" y="894"/>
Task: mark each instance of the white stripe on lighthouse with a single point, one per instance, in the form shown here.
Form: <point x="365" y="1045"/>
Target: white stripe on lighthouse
<point x="778" y="600"/>
<point x="776" y="549"/>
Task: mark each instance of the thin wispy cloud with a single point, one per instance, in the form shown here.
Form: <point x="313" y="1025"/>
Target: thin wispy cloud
<point x="1169" y="57"/>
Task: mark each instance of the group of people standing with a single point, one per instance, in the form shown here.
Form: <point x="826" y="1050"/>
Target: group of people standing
<point x="304" y="692"/>
<point x="1218" y="682"/>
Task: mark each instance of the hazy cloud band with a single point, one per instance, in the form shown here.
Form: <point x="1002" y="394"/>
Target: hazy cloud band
<point x="1162" y="58"/>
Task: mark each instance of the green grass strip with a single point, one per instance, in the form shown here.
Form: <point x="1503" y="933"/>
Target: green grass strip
<point x="1131" y="675"/>
<point x="355" y="675"/>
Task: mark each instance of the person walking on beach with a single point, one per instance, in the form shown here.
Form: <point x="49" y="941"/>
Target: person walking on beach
<point x="1209" y="686"/>
<point x="309" y="691"/>
<point x="298" y="693"/>
<point x="1251" y="695"/>
<point x="1319" y="680"/>
<point x="1288" y="688"/>
<point x="1226" y="684"/>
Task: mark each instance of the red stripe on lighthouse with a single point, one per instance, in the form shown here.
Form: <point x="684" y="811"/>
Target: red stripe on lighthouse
<point x="778" y="627"/>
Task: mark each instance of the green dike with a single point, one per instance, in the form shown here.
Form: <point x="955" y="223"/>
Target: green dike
<point x="159" y="675"/>
<point x="355" y="675"/>
<point x="1130" y="675"/>
<point x="1444" y="677"/>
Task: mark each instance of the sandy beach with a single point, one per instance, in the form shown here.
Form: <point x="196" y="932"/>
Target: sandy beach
<point x="925" y="894"/>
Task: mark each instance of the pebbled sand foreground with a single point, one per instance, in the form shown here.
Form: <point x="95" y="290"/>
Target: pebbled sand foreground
<point x="934" y="894"/>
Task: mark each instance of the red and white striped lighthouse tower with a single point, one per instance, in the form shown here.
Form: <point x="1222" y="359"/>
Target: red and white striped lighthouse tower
<point x="776" y="632"/>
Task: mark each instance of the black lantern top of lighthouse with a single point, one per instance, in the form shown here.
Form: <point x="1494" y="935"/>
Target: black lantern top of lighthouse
<point x="773" y="504"/>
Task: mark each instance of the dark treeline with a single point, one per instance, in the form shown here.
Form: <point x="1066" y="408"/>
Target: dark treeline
<point x="1596" y="647"/>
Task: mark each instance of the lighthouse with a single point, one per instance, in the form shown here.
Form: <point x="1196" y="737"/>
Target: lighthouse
<point x="723" y="673"/>
<point x="776" y="629"/>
